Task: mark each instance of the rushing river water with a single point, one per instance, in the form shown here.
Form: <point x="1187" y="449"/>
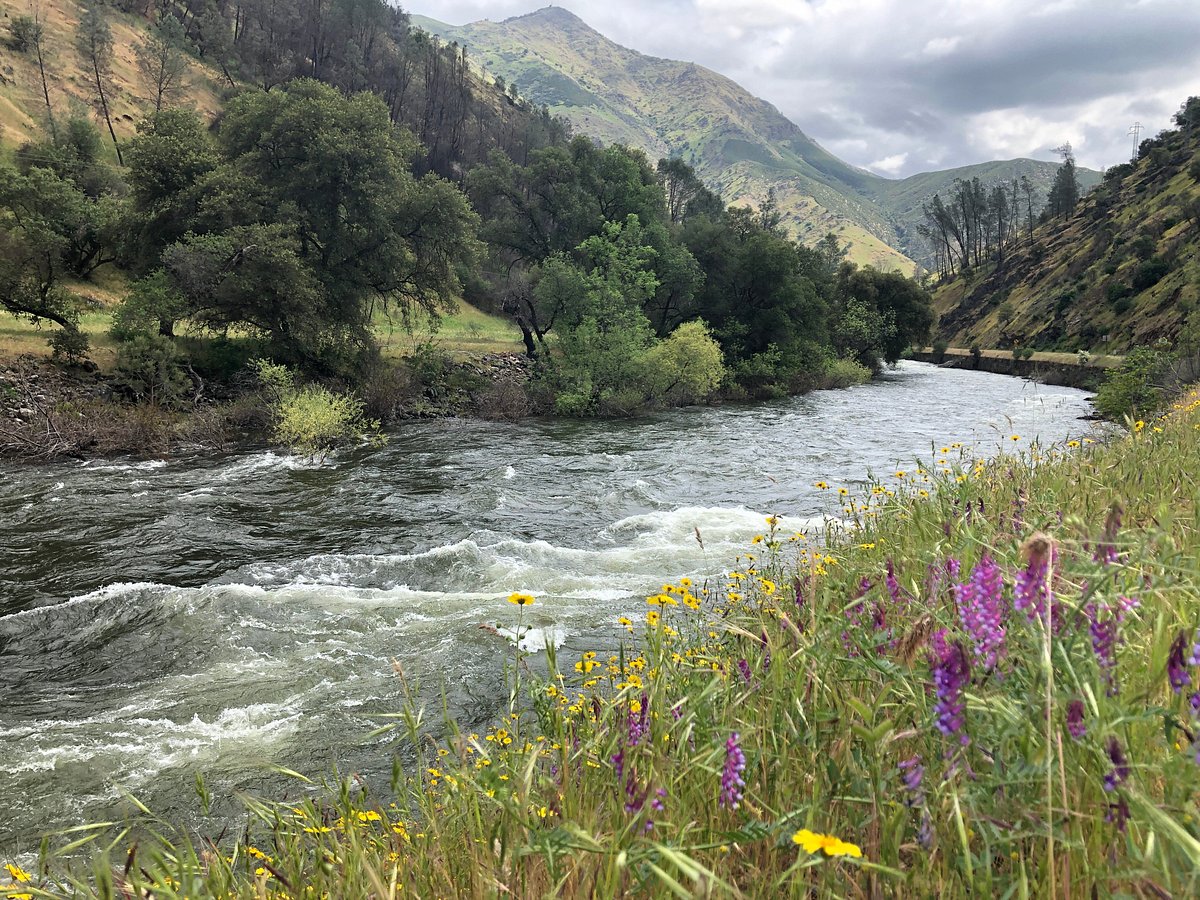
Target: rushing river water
<point x="219" y="615"/>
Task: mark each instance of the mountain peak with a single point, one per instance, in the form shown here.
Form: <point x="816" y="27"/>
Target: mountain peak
<point x="551" y="15"/>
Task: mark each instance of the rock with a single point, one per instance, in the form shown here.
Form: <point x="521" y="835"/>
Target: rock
<point x="25" y="413"/>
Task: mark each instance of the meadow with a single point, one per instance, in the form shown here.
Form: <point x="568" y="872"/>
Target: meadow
<point x="983" y="679"/>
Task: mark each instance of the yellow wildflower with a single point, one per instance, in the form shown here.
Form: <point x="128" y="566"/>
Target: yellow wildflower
<point x="521" y="599"/>
<point x="830" y="845"/>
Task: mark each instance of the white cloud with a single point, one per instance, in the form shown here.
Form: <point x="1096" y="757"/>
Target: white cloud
<point x="889" y="165"/>
<point x="936" y="82"/>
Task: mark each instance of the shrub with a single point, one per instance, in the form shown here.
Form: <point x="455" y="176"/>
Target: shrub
<point x="69" y="345"/>
<point x="843" y="373"/>
<point x="684" y="368"/>
<point x="940" y="346"/>
<point x="1150" y="273"/>
<point x="313" y="420"/>
<point x="148" y="369"/>
<point x="23" y="33"/>
<point x="1135" y="388"/>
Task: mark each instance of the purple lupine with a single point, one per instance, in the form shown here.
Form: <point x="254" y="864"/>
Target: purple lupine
<point x="1104" y="644"/>
<point x="635" y="795"/>
<point x="981" y="606"/>
<point x="618" y="761"/>
<point x="1029" y="591"/>
<point x="893" y="585"/>
<point x="1118" y="814"/>
<point x="637" y="724"/>
<point x="1106" y="550"/>
<point x="1194" y="659"/>
<point x="1120" y="766"/>
<point x="731" y="777"/>
<point x="658" y="804"/>
<point x="951" y="673"/>
<point x="1177" y="665"/>
<point x="744" y="668"/>
<point x="912" y="773"/>
<point x="1075" y="724"/>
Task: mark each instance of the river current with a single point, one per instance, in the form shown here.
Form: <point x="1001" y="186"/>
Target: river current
<point x="220" y="615"/>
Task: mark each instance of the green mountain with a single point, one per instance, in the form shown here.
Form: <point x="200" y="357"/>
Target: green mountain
<point x="1122" y="272"/>
<point x="740" y="144"/>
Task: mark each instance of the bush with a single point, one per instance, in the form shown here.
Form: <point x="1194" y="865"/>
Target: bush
<point x="313" y="420"/>
<point x="148" y="369"/>
<point x="844" y="373"/>
<point x="1135" y="388"/>
<point x="1150" y="273"/>
<point x="940" y="346"/>
<point x="69" y="345"/>
<point x="23" y="33"/>
<point x="684" y="368"/>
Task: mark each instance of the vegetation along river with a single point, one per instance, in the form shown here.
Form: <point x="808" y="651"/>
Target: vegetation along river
<point x="220" y="615"/>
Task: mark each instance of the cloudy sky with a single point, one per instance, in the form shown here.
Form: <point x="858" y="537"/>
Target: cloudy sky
<point x="904" y="86"/>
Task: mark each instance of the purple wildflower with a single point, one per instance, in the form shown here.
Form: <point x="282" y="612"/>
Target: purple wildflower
<point x="893" y="585"/>
<point x="1194" y="659"/>
<point x="981" y="606"/>
<point x="1029" y="592"/>
<point x="1120" y="766"/>
<point x="1118" y="813"/>
<point x="731" y="778"/>
<point x="1104" y="644"/>
<point x="912" y="773"/>
<point x="618" y="761"/>
<point x="951" y="673"/>
<point x="635" y="795"/>
<point x="744" y="668"/>
<point x="1075" y="724"/>
<point x="637" y="724"/>
<point x="658" y="804"/>
<point x="1177" y="671"/>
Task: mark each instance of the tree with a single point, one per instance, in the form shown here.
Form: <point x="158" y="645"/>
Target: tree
<point x="94" y="44"/>
<point x="161" y="61"/>
<point x="882" y="314"/>
<point x="337" y="174"/>
<point x="1064" y="192"/>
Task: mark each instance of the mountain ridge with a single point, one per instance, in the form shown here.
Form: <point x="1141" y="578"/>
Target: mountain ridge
<point x="742" y="145"/>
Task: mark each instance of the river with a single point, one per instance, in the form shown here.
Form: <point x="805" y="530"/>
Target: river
<point x="223" y="614"/>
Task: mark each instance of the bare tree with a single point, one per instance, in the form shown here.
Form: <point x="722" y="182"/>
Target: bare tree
<point x="94" y="44"/>
<point x="162" y="62"/>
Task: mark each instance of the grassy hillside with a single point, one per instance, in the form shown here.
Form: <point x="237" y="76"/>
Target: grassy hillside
<point x="740" y="144"/>
<point x="1121" y="273"/>
<point x="22" y="106"/>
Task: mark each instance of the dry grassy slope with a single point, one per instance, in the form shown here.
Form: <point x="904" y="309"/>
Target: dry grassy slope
<point x="22" y="108"/>
<point x="1057" y="296"/>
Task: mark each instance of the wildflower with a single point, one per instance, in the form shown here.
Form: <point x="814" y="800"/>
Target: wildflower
<point x="811" y="842"/>
<point x="521" y="599"/>
<point x="951" y="673"/>
<point x="1194" y="659"/>
<point x="1177" y="671"/>
<point x="1031" y="592"/>
<point x="17" y="874"/>
<point x="744" y="668"/>
<point x="757" y="539"/>
<point x="653" y="618"/>
<point x="731" y="778"/>
<point x="912" y="773"/>
<point x="1015" y="438"/>
<point x="658" y="804"/>
<point x="1120" y="766"/>
<point x="981" y="606"/>
<point x="1104" y="644"/>
<point x="821" y="486"/>
<point x="843" y="492"/>
<point x="893" y="584"/>
<point x="1118" y="813"/>
<point x="1075" y="724"/>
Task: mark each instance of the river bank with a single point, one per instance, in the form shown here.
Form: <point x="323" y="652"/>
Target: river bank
<point x="1082" y="371"/>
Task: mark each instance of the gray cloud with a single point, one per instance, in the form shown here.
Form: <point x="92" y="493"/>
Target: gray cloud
<point x="910" y="85"/>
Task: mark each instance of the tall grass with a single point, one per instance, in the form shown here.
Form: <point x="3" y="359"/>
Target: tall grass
<point x="982" y="685"/>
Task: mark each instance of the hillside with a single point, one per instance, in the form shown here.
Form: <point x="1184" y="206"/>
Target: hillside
<point x="22" y="105"/>
<point x="1122" y="272"/>
<point x="740" y="144"/>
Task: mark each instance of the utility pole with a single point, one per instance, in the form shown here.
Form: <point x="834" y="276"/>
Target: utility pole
<point x="1135" y="131"/>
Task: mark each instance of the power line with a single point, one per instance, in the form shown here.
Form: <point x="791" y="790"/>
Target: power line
<point x="1135" y="131"/>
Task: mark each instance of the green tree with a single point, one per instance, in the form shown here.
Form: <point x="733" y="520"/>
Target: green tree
<point x="338" y="174"/>
<point x="1064" y="191"/>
